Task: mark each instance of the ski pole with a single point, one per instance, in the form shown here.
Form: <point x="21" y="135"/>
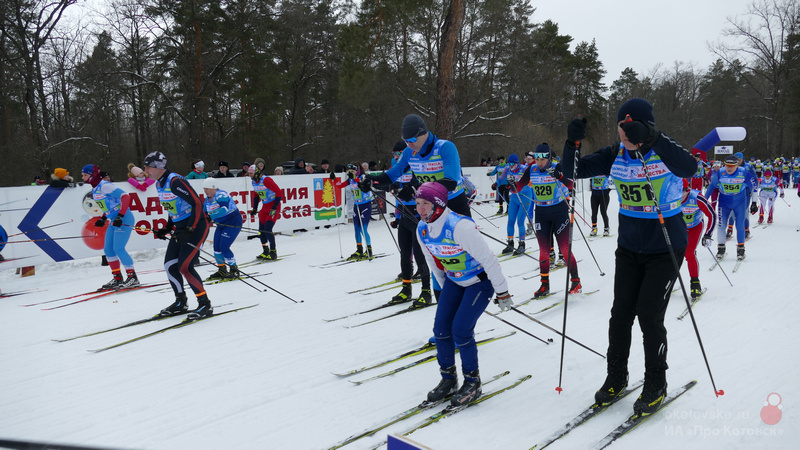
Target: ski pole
<point x="787" y="203"/>
<point x="548" y="341"/>
<point x="214" y="263"/>
<point x="602" y="274"/>
<point x="390" y="230"/>
<point x="40" y="228"/>
<point x="482" y="216"/>
<point x="559" y="389"/>
<point x="677" y="267"/>
<point x="49" y="239"/>
<point x="336" y="211"/>
<point x="514" y="308"/>
<point x="716" y="261"/>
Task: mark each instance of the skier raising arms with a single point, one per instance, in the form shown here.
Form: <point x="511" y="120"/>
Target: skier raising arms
<point x="469" y="274"/>
<point x="644" y="272"/>
<point x="189" y="229"/>
<point x="552" y="215"/>
<point x="692" y="203"/>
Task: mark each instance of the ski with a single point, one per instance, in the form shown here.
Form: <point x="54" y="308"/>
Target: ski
<point x="395" y="281"/>
<point x="407" y="310"/>
<point x="425" y="360"/>
<point x="507" y="256"/>
<point x="428" y="346"/>
<point x="345" y="262"/>
<point x="546" y="308"/>
<point x="398" y="285"/>
<point x="716" y="262"/>
<point x="552" y="269"/>
<point x="585" y="416"/>
<point x="525" y="302"/>
<point x="636" y="420"/>
<point x="155" y="318"/>
<point x="181" y="324"/>
<point x="738" y="264"/>
<point x="104" y="294"/>
<point x="691" y="304"/>
<point x="256" y="262"/>
<point x="240" y="277"/>
<point x="385" y="305"/>
<point x="403" y="416"/>
<point x="450" y="410"/>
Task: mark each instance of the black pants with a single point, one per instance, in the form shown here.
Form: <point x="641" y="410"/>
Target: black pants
<point x="502" y="191"/>
<point x="460" y="205"/>
<point x="408" y="243"/>
<point x="642" y="287"/>
<point x="599" y="200"/>
<point x="179" y="259"/>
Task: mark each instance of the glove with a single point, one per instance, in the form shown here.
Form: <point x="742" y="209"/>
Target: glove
<point x="117" y="222"/>
<point x="707" y="241"/>
<point x="576" y="130"/>
<point x="254" y="211"/>
<point x="494" y="186"/>
<point x="350" y="175"/>
<point x="753" y="208"/>
<point x="554" y="172"/>
<point x="273" y="211"/>
<point x="366" y="184"/>
<point x="781" y="194"/>
<point x="394" y="223"/>
<point x="636" y="131"/>
<point x="182" y="235"/>
<point x="161" y="233"/>
<point x="503" y="300"/>
<point x="333" y="176"/>
<point x="101" y="222"/>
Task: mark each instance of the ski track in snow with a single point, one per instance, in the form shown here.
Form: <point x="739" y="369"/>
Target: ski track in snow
<point x="260" y="378"/>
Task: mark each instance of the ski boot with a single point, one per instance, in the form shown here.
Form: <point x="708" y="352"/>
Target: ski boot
<point x="544" y="289"/>
<point x="695" y="289"/>
<point x="561" y="262"/>
<point x="761" y="218"/>
<point x="358" y="255"/>
<point x="653" y="394"/>
<point x="233" y="273"/>
<point x="769" y="219"/>
<point x="520" y="249"/>
<point x="575" y="287"/>
<point x="403" y="296"/>
<point x="204" y="309"/>
<point x="131" y="282"/>
<point x="500" y="211"/>
<point x="509" y="247"/>
<point x="272" y="255"/>
<point x="416" y="276"/>
<point x="220" y="274"/>
<point x="114" y="284"/>
<point x="593" y="232"/>
<point x="369" y="252"/>
<point x="729" y="233"/>
<point x="447" y="387"/>
<point x="606" y="232"/>
<point x="739" y="252"/>
<point x="720" y="251"/>
<point x="470" y="390"/>
<point x="552" y="256"/>
<point x="264" y="253"/>
<point x="423" y="300"/>
<point x="529" y="230"/>
<point x="614" y="386"/>
<point x="178" y="307"/>
<point x="746" y="234"/>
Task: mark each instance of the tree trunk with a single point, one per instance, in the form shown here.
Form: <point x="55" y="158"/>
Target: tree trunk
<point x="445" y="90"/>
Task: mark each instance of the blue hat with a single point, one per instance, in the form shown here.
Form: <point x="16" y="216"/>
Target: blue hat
<point x="739" y="155"/>
<point x="88" y="169"/>
<point x="513" y="159"/>
<point x="638" y="109"/>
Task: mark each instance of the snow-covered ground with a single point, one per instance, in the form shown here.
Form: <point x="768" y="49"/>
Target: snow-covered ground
<point x="261" y="378"/>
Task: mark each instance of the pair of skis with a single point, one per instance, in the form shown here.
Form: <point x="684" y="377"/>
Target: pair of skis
<point x="91" y="296"/>
<point x="621" y="430"/>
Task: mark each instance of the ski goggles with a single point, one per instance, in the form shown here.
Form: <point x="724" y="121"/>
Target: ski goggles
<point x="541" y="155"/>
<point x="410" y="140"/>
<point x="352" y="167"/>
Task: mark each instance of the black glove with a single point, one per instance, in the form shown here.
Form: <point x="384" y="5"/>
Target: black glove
<point x="101" y="222"/>
<point x="576" y="130"/>
<point x="781" y="194"/>
<point x="254" y="211"/>
<point x="707" y="241"/>
<point x="161" y="233"/>
<point x="753" y="208"/>
<point x="333" y="176"/>
<point x="637" y="131"/>
<point x="555" y="172"/>
<point x="117" y="221"/>
<point x="183" y="235"/>
<point x="494" y="186"/>
<point x="408" y="193"/>
<point x="394" y="223"/>
<point x="350" y="175"/>
<point x="366" y="184"/>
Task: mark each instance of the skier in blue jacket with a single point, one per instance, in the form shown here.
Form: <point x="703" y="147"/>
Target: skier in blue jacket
<point x="736" y="186"/>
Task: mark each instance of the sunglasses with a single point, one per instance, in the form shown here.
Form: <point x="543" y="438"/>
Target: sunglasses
<point x="541" y="155"/>
<point x="410" y="140"/>
<point x="351" y="167"/>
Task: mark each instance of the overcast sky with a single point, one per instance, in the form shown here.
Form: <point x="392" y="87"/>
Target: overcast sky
<point x="642" y="34"/>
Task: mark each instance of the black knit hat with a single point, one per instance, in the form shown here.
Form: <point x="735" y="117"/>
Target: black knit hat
<point x="638" y="109"/>
<point x="413" y="126"/>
